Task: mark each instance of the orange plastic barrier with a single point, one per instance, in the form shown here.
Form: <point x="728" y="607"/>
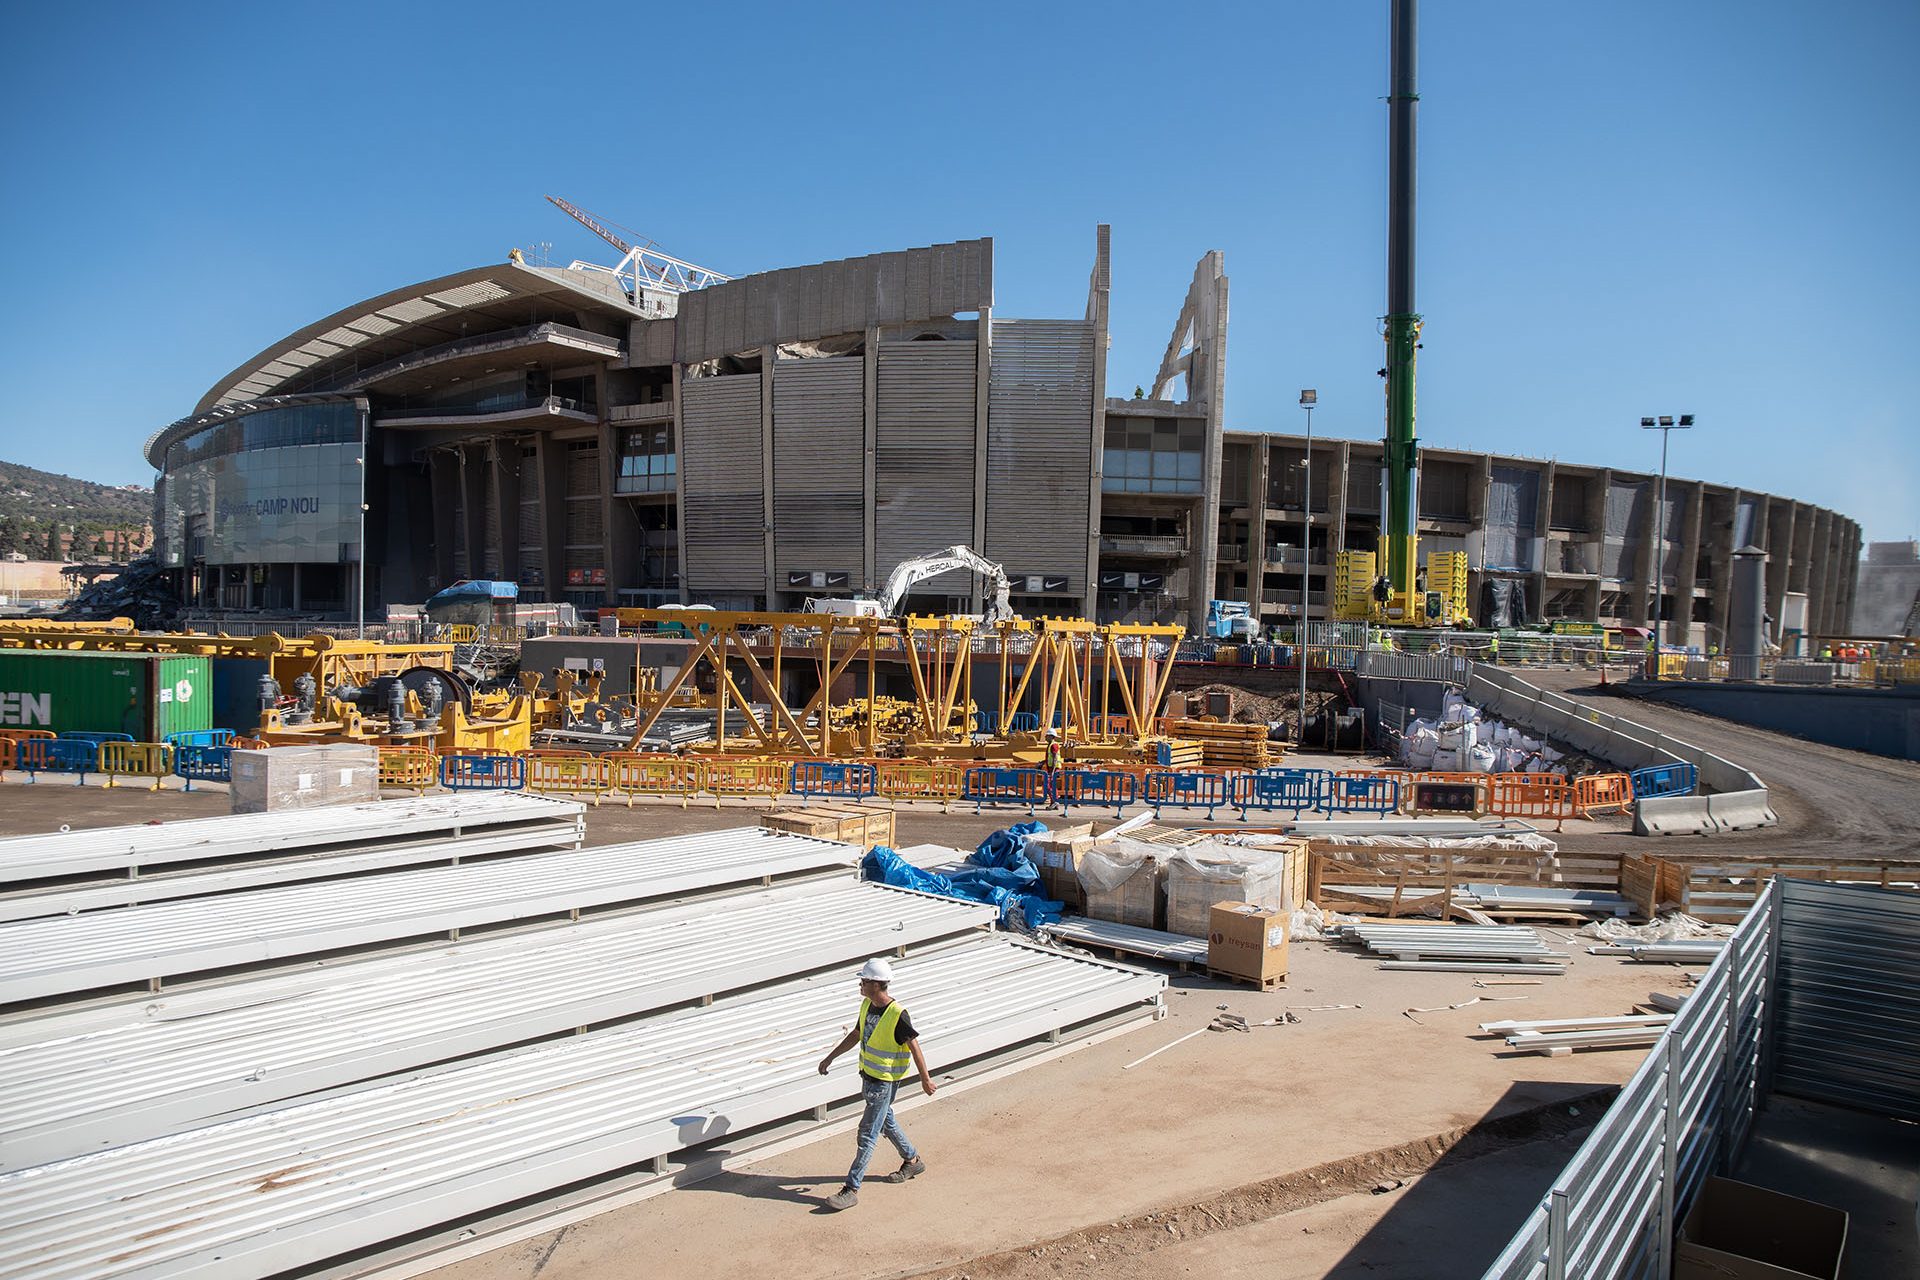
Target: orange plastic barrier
<point x="724" y="777"/>
<point x="1602" y="793"/>
<point x="914" y="780"/>
<point x="414" y="768"/>
<point x="637" y="773"/>
<point x="1531" y="795"/>
<point x="567" y="773"/>
<point x="250" y="744"/>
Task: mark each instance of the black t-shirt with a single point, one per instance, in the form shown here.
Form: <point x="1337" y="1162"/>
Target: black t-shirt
<point x="902" y="1030"/>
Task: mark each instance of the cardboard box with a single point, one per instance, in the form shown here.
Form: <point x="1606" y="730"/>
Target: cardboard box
<point x="1736" y="1231"/>
<point x="1192" y="890"/>
<point x="1139" y="900"/>
<point x="865" y="825"/>
<point x="1057" y="855"/>
<point x="1248" y="941"/>
<point x="278" y="779"/>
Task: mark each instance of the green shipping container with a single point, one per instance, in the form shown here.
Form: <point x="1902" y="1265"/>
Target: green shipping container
<point x="143" y="695"/>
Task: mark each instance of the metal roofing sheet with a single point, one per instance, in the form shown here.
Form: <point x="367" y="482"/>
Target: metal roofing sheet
<point x="69" y="899"/>
<point x="100" y="949"/>
<point x="122" y="850"/>
<point x="287" y="1188"/>
<point x="218" y="1051"/>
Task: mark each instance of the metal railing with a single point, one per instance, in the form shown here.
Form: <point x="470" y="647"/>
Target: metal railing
<point x="1869" y="671"/>
<point x="1611" y="1214"/>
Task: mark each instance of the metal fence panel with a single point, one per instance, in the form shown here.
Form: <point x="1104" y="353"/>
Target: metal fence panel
<point x="1848" y="1020"/>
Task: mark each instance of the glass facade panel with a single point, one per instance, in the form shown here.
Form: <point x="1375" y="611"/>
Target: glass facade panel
<point x="335" y="423"/>
<point x="648" y="463"/>
<point x="1153" y="455"/>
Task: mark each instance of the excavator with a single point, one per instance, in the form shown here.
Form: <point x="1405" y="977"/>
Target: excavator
<point x="919" y="569"/>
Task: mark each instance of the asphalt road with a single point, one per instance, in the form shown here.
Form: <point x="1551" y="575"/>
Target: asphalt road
<point x="1829" y="800"/>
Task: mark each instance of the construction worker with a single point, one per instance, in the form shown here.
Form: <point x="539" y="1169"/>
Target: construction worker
<point x="887" y="1039"/>
<point x="1493" y="649"/>
<point x="1055" y="758"/>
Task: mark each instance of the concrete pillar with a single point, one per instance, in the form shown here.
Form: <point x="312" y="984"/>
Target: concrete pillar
<point x="679" y="489"/>
<point x="506" y="500"/>
<point x="869" y="450"/>
<point x="1097" y="298"/>
<point x="473" y="492"/>
<point x="982" y="374"/>
<point x="1688" y="554"/>
<point x="1258" y="462"/>
<point x="1542" y="527"/>
<point x="551" y="457"/>
<point x="619" y="525"/>
<point x="1779" y="549"/>
<point x="443" y="478"/>
<point x="1640" y="583"/>
<point x="768" y="356"/>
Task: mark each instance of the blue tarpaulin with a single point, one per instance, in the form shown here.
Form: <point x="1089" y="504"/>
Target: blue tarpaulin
<point x="999" y="872"/>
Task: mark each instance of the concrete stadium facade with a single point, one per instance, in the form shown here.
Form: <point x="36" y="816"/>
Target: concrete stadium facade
<point x="799" y="432"/>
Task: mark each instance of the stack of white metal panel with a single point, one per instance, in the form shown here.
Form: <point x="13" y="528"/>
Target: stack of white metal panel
<point x="61" y="873"/>
<point x="1455" y="948"/>
<point x="1557" y="1037"/>
<point x="279" y="1119"/>
<point x="48" y="957"/>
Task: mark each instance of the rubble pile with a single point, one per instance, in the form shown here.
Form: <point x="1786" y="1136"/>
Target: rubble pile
<point x="142" y="593"/>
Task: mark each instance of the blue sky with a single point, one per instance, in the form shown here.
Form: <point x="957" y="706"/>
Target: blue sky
<point x="1626" y="208"/>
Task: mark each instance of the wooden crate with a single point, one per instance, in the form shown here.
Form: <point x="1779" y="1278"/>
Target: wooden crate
<point x="1192" y="892"/>
<point x="865" y="825"/>
<point x="1057" y="855"/>
<point x="1139" y="901"/>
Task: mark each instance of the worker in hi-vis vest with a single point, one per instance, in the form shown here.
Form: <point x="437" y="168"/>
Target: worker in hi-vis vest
<point x="888" y="1046"/>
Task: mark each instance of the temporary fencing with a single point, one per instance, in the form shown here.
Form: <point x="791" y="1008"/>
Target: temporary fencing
<point x="1023" y="722"/>
<point x="746" y="778"/>
<point x="198" y="763"/>
<point x="1097" y="787"/>
<point x="1602" y="793"/>
<point x="842" y="780"/>
<point x="414" y="768"/>
<point x="1171" y="789"/>
<point x="477" y="772"/>
<point x="1431" y="797"/>
<point x="907" y="780"/>
<point x="1531" y="795"/>
<point x="1299" y="790"/>
<point x="1681" y="778"/>
<point x="635" y="773"/>
<point x="986" y="785"/>
<point x="1360" y="793"/>
<point x="566" y="773"/>
<point x="148" y="760"/>
<point x="58" y="755"/>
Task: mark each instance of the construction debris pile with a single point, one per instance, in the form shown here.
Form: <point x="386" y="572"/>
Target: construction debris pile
<point x="1464" y="741"/>
<point x="141" y="592"/>
<point x="599" y="1038"/>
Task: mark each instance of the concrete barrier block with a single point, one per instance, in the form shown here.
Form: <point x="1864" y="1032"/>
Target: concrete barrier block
<point x="1673" y="816"/>
<point x="1742" y="810"/>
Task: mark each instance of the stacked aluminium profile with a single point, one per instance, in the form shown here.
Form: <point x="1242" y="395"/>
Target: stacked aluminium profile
<point x="1453" y="948"/>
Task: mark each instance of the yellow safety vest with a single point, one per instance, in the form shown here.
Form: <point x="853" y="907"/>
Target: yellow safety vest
<point x="882" y="1056"/>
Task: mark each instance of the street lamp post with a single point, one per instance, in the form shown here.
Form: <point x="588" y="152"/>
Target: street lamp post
<point x="1308" y="398"/>
<point x="1665" y="424"/>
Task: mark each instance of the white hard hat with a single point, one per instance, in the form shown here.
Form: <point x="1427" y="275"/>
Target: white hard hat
<point x="876" y="970"/>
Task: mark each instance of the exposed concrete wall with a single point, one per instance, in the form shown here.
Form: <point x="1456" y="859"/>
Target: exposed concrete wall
<point x="1885" y="722"/>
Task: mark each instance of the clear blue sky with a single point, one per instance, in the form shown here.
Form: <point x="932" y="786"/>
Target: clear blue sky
<point x="1626" y="208"/>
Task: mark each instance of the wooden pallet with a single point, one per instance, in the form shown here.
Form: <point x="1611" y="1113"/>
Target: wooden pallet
<point x="1271" y="984"/>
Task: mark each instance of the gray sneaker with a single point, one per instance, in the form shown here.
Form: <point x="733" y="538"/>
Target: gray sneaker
<point x="911" y="1169"/>
<point x="844" y="1198"/>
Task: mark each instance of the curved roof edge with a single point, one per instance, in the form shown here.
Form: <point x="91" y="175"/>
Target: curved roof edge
<point x="257" y="377"/>
<point x="157" y="444"/>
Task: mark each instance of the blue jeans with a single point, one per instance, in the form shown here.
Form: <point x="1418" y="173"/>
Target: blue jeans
<point x="874" y="1121"/>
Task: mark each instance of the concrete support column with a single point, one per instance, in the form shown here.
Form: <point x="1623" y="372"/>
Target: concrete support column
<point x="296" y="586"/>
<point x="768" y="356"/>
<point x="619" y="526"/>
<point x="473" y="493"/>
<point x="1722" y="522"/>
<point x="1258" y="463"/>
<point x="443" y="478"/>
<point x="1684" y="560"/>
<point x="1820" y="596"/>
<point x="679" y="490"/>
<point x="506" y="500"/>
<point x="1542" y="532"/>
<point x="982" y="374"/>
<point x="1779" y="525"/>
<point x="551" y="457"/>
<point x="1644" y="572"/>
<point x="869" y="450"/>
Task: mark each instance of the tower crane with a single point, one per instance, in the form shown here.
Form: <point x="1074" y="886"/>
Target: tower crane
<point x="646" y="264"/>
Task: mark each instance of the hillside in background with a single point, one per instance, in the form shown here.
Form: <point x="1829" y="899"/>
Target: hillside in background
<point x="34" y="503"/>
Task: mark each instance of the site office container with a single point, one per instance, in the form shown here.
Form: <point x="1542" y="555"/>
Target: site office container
<point x="146" y="696"/>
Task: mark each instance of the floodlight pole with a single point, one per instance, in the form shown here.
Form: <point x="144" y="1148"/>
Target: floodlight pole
<point x="1308" y="399"/>
<point x="1665" y="425"/>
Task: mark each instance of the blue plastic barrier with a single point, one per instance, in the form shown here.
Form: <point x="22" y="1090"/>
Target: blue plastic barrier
<point x="1097" y="787"/>
<point x="1345" y="793"/>
<point x="1300" y="790"/>
<point x="985" y="721"/>
<point x="1679" y="779"/>
<point x="201" y="738"/>
<point x="841" y="780"/>
<point x="62" y="755"/>
<point x="1023" y="722"/>
<point x="1171" y="789"/>
<point x="483" y="773"/>
<point x="202" y="762"/>
<point x="986" y="785"/>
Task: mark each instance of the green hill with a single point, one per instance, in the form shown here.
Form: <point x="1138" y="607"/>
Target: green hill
<point x="32" y="500"/>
